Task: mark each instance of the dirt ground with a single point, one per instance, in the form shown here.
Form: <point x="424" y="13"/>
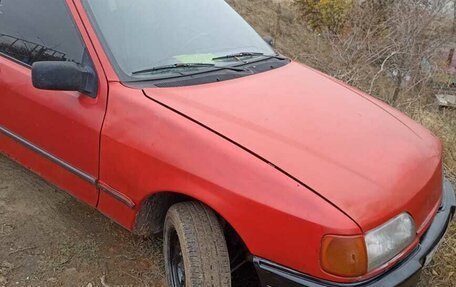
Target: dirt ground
<point x="48" y="238"/>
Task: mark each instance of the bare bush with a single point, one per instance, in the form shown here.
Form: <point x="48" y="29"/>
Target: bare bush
<point x="384" y="43"/>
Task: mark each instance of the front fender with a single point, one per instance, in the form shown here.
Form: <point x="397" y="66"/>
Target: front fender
<point x="148" y="148"/>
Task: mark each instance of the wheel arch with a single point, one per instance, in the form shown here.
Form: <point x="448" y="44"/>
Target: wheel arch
<point x="153" y="209"/>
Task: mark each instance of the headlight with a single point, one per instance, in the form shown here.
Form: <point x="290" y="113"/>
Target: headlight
<point x="387" y="241"/>
<point x="353" y="256"/>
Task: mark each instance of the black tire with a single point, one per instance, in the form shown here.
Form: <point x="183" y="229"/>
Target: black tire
<point x="194" y="238"/>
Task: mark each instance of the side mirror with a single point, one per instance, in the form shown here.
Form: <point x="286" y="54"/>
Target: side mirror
<point x="269" y="40"/>
<point x="64" y="76"/>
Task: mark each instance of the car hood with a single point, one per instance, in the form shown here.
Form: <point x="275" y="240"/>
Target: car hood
<point x="366" y="158"/>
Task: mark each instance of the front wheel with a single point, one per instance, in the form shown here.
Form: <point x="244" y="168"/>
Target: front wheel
<point x="195" y="249"/>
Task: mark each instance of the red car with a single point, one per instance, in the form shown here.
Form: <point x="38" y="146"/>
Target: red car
<point x="175" y="116"/>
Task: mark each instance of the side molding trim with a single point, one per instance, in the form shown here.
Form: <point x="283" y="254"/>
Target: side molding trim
<point x="63" y="164"/>
<point x="85" y="176"/>
<point x="116" y="194"/>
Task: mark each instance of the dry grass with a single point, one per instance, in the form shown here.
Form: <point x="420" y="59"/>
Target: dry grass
<point x="278" y="19"/>
<point x="442" y="271"/>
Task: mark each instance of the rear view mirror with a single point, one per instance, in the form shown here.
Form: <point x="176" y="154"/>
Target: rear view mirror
<point x="64" y="76"/>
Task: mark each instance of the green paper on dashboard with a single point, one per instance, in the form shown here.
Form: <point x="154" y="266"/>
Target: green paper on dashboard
<point x="196" y="58"/>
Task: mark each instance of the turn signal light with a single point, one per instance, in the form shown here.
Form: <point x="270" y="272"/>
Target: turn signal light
<point x="344" y="256"/>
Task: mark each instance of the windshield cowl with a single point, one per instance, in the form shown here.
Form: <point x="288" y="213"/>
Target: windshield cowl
<point x="202" y="75"/>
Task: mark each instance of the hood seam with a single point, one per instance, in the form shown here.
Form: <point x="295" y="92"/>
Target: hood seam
<point x="257" y="156"/>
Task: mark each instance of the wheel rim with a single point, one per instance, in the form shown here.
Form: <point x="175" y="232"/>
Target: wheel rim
<point x="176" y="262"/>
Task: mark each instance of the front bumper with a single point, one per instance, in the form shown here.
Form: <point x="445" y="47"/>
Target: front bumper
<point x="406" y="273"/>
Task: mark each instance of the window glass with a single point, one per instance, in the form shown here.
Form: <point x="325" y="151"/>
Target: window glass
<point x="142" y="34"/>
<point x="32" y="31"/>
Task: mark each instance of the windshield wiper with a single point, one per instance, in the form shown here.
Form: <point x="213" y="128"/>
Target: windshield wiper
<point x="187" y="65"/>
<point x="237" y="56"/>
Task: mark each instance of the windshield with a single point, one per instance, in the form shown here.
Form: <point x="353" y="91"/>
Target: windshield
<point x="142" y="34"/>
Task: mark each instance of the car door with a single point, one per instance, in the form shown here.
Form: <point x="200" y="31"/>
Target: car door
<point x="54" y="133"/>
